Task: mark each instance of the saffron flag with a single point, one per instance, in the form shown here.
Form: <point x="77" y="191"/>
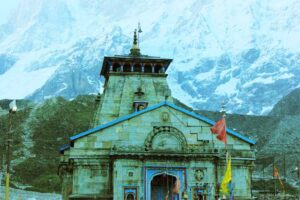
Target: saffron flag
<point x="227" y="178"/>
<point x="276" y="175"/>
<point x="220" y="129"/>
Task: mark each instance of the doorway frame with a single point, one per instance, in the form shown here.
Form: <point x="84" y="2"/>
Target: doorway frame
<point x="135" y="189"/>
<point x="151" y="171"/>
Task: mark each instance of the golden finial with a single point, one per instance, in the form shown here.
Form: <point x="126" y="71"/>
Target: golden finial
<point x="135" y="42"/>
<point x="135" y="50"/>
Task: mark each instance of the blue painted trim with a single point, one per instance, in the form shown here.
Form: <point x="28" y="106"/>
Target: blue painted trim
<point x="63" y="148"/>
<point x="111" y="123"/>
<point x="151" y="172"/>
<point x="231" y="132"/>
<point x="150" y="108"/>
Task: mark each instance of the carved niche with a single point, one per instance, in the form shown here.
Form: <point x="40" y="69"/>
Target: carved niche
<point x="165" y="138"/>
<point x="199" y="174"/>
<point x="165" y="117"/>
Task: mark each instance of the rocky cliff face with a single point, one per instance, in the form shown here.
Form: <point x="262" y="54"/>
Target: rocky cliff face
<point x="289" y="105"/>
<point x="283" y="142"/>
<point x="244" y="53"/>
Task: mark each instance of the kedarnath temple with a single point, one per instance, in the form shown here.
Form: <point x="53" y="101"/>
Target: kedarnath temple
<point x="145" y="147"/>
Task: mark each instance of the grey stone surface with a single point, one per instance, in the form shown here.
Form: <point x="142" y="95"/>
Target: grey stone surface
<point x="103" y="164"/>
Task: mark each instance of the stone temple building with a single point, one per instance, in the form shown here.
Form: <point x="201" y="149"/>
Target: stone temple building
<point x="145" y="147"/>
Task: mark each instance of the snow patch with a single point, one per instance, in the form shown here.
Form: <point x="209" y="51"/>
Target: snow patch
<point x="206" y="76"/>
<point x="65" y="86"/>
<point x="250" y="113"/>
<point x="266" y="109"/>
<point x="286" y="76"/>
<point x="228" y="88"/>
<point x="187" y="32"/>
<point x="260" y="80"/>
<point x="18" y="83"/>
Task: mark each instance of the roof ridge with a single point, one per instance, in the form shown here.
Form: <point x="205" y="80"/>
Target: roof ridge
<point x="153" y="107"/>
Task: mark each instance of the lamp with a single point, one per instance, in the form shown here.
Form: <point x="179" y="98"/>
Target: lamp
<point x="12" y="109"/>
<point x="13" y="106"/>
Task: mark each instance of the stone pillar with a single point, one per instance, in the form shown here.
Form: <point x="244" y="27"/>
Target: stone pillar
<point x="122" y="64"/>
<point x="110" y="66"/>
<point x="132" y="67"/>
<point x="152" y="67"/>
<point x="163" y="68"/>
<point x="143" y="67"/>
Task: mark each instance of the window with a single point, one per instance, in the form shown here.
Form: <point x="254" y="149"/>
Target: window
<point x="130" y="193"/>
<point x="116" y="67"/>
<point x="127" y="67"/>
<point x="200" y="193"/>
<point x="137" y="68"/>
<point x="140" y="105"/>
<point x="148" y="68"/>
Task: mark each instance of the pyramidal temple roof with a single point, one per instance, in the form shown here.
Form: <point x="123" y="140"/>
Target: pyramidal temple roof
<point x="133" y="58"/>
<point x="150" y="108"/>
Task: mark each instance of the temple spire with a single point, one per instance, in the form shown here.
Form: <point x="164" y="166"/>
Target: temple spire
<point x="135" y="50"/>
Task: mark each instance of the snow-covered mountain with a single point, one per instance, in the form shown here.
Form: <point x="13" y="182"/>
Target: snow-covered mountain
<point x="246" y="53"/>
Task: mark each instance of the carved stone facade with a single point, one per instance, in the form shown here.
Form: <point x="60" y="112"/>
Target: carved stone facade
<point x="165" y="138"/>
<point x="152" y="152"/>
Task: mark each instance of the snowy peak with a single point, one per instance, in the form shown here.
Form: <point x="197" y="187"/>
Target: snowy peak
<point x="37" y="24"/>
<point x="245" y="53"/>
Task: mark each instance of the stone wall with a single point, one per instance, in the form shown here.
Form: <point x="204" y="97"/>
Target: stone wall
<point x="119" y="95"/>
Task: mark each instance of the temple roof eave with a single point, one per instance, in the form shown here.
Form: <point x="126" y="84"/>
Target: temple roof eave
<point x="137" y="58"/>
<point x="133" y="59"/>
<point x="150" y="108"/>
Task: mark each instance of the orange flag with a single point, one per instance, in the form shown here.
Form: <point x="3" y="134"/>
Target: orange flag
<point x="220" y="129"/>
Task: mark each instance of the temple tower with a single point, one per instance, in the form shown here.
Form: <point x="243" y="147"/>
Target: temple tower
<point x="132" y="82"/>
<point x="145" y="146"/>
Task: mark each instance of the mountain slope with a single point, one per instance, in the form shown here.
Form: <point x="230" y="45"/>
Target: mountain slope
<point x="38" y="132"/>
<point x="245" y="53"/>
<point x="40" y="129"/>
<point x="289" y="105"/>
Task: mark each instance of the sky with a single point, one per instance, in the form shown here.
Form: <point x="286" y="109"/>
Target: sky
<point x="6" y="6"/>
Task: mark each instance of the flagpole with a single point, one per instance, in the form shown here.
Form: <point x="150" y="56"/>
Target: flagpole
<point x="223" y="111"/>
<point x="274" y="176"/>
<point x="231" y="189"/>
<point x="219" y="128"/>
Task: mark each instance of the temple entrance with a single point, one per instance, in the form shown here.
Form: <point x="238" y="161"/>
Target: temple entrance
<point x="130" y="197"/>
<point x="200" y="194"/>
<point x="164" y="187"/>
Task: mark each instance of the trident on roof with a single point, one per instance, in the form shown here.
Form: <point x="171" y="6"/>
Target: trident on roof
<point x="135" y="49"/>
<point x="223" y="109"/>
<point x="139" y="31"/>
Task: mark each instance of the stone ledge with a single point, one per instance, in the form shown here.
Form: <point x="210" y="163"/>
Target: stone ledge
<point x="91" y="196"/>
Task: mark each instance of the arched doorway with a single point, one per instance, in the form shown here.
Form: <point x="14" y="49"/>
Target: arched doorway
<point x="200" y="194"/>
<point x="163" y="186"/>
<point x="130" y="197"/>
